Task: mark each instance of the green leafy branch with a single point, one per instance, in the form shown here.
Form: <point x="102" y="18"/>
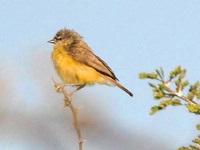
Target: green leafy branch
<point x="171" y="92"/>
<point x="196" y="141"/>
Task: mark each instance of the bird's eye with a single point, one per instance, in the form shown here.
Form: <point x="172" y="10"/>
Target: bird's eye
<point x="58" y="38"/>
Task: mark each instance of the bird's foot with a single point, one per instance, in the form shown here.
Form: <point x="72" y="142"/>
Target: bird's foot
<point x="59" y="87"/>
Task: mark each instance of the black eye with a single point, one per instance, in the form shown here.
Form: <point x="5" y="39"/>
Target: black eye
<point x="58" y="38"/>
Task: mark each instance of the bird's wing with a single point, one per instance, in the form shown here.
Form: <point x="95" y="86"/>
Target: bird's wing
<point x="82" y="53"/>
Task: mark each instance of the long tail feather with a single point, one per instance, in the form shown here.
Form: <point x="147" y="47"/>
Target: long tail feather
<point x="120" y="86"/>
<point x="124" y="89"/>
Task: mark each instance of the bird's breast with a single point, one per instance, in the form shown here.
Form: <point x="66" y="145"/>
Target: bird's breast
<point x="73" y="72"/>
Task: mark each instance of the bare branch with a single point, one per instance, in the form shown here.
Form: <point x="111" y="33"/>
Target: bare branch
<point x="68" y="103"/>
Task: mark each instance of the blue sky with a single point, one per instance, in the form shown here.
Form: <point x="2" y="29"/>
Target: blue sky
<point x="132" y="37"/>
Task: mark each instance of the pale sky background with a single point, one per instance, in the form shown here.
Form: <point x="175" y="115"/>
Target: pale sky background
<point x="132" y="37"/>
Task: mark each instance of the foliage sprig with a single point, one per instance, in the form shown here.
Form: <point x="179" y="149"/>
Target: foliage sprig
<point x="169" y="92"/>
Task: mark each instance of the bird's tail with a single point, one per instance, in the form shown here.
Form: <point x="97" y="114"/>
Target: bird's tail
<point x="120" y="86"/>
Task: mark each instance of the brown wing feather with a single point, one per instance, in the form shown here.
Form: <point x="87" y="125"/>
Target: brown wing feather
<point x="83" y="54"/>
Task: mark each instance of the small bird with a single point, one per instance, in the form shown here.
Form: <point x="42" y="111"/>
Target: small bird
<point x="77" y="65"/>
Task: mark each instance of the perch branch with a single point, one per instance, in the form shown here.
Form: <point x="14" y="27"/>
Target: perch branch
<point x="68" y="103"/>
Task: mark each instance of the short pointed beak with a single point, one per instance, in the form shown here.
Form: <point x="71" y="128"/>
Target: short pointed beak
<point x="51" y="41"/>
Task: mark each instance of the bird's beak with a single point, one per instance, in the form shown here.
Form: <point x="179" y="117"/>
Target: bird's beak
<point x="51" y="41"/>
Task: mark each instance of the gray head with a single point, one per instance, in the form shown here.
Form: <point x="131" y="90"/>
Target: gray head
<point x="65" y="35"/>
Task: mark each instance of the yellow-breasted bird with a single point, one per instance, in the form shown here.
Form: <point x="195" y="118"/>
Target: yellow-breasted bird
<point x="76" y="64"/>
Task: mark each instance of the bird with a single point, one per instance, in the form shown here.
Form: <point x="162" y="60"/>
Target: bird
<point x="77" y="65"/>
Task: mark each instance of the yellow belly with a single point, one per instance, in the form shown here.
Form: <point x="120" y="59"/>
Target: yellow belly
<point x="73" y="72"/>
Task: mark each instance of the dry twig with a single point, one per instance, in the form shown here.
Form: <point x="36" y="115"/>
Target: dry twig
<point x="68" y="103"/>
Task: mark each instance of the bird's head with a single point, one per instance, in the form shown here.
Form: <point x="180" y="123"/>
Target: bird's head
<point x="65" y="36"/>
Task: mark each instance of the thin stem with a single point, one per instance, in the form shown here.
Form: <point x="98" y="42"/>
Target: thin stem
<point x="170" y="92"/>
<point x="74" y="111"/>
<point x="186" y="99"/>
<point x="68" y="103"/>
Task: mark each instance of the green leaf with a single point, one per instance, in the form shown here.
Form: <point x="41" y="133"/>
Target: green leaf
<point x="164" y="104"/>
<point x="198" y="126"/>
<point x="176" y="102"/>
<point x="159" y="73"/>
<point x="193" y="147"/>
<point x="193" y="108"/>
<point x="178" y="82"/>
<point x="152" y="85"/>
<point x="184" y="148"/>
<point x="185" y="83"/>
<point x="194" y="91"/>
<point x="151" y="75"/>
<point x="154" y="109"/>
<point x="175" y="72"/>
<point x="162" y="72"/>
<point x="196" y="85"/>
<point x="197" y="141"/>
<point x="182" y="73"/>
<point x="198" y="95"/>
<point x="158" y="93"/>
<point x="142" y="76"/>
<point x="190" y="95"/>
<point x="164" y="87"/>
